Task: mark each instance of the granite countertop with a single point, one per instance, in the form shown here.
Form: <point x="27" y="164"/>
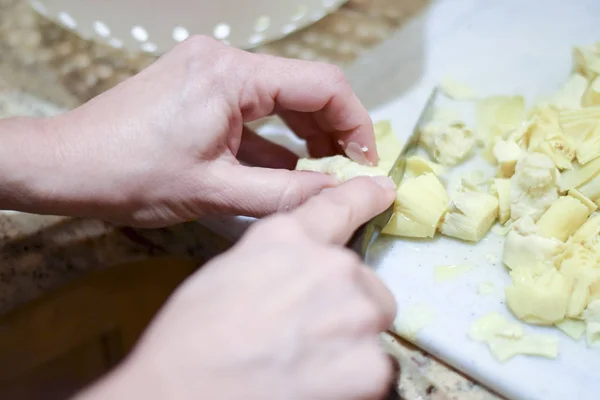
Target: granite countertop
<point x="39" y="253"/>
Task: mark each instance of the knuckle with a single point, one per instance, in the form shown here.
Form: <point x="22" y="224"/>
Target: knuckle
<point x="196" y="44"/>
<point x="334" y="73"/>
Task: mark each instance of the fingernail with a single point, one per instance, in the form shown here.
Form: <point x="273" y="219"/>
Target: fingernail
<point x="356" y="153"/>
<point x="384" y="182"/>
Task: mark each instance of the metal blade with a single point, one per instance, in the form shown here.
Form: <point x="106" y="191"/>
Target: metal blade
<point x="366" y="234"/>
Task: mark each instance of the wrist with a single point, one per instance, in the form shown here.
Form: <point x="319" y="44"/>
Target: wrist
<point x="28" y="155"/>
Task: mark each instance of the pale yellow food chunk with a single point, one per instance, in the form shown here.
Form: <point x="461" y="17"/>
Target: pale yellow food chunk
<point x="524" y="248"/>
<point x="533" y="187"/>
<point x="387" y="143"/>
<point x="588" y="232"/>
<point x="584" y="199"/>
<point x="507" y="153"/>
<point x="576" y="261"/>
<point x="494" y="324"/>
<point x="506" y="339"/>
<point x="538" y="300"/>
<point x="486" y="288"/>
<point x="340" y="167"/>
<point x="474" y="180"/>
<point x="445" y="273"/>
<point x="416" y="166"/>
<point x="587" y="61"/>
<point x="499" y="114"/>
<point x="457" y="90"/>
<point x="496" y="117"/>
<point x="588" y="147"/>
<point x="412" y="319"/>
<point x="591" y="190"/>
<point x="420" y="205"/>
<point x="501" y="188"/>
<point x="558" y="147"/>
<point x="470" y="215"/>
<point x="563" y="218"/>
<point x="571" y="93"/>
<point x="591" y="97"/>
<point x="592" y="322"/>
<point x="448" y="142"/>
<point x="571" y="327"/>
<point x="579" y="175"/>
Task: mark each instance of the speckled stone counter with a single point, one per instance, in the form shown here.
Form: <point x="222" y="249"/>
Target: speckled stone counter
<point x="40" y="253"/>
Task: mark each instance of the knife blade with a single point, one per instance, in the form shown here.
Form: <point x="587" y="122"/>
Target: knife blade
<point x="367" y="233"/>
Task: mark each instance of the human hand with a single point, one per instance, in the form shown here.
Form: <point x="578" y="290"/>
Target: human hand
<point x="286" y="314"/>
<point x="161" y="147"/>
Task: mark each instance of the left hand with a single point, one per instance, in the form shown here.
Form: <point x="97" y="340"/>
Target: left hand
<point x="163" y="146"/>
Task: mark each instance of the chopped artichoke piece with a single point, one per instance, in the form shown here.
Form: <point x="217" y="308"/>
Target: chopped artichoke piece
<point x="571" y="327"/>
<point x="563" y="218"/>
<point x="592" y="321"/>
<point x="474" y="180"/>
<point x="539" y="300"/>
<point x="577" y="261"/>
<point x="501" y="188"/>
<point x="591" y="190"/>
<point x="470" y="216"/>
<point x="588" y="233"/>
<point x="522" y="135"/>
<point x="420" y="205"/>
<point x="579" y="175"/>
<point x="448" y="142"/>
<point x="588" y="148"/>
<point x="340" y="167"/>
<point x="388" y="145"/>
<point x="584" y="199"/>
<point x="579" y="299"/>
<point x="533" y="186"/>
<point x="587" y="61"/>
<point x="416" y="166"/>
<point x="582" y="114"/>
<point x="524" y="248"/>
<point x="558" y="147"/>
<point x="457" y="90"/>
<point x="591" y="97"/>
<point x="571" y="93"/>
<point x="506" y="153"/>
<point x="506" y="339"/>
<point x="499" y="114"/>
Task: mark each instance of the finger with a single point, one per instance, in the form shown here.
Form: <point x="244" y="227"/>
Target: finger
<point x="362" y="366"/>
<point x="334" y="214"/>
<point x="381" y="295"/>
<point x="260" y="152"/>
<point x="256" y="192"/>
<point x="312" y="87"/>
<point x="319" y="143"/>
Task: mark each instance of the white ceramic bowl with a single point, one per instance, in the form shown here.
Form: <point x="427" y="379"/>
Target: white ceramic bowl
<point x="154" y="26"/>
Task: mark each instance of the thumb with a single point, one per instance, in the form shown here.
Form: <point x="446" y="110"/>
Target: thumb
<point x="256" y="192"/>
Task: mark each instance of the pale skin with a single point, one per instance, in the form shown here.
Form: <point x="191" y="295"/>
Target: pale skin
<point x="288" y="313"/>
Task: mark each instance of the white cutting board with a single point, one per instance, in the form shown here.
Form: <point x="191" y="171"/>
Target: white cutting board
<point x="499" y="47"/>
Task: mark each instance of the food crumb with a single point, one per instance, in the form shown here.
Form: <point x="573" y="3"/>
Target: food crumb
<point x="486" y="288"/>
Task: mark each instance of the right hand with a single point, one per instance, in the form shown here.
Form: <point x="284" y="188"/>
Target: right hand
<point x="286" y="314"/>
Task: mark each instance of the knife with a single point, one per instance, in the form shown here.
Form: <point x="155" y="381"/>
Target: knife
<point x="367" y="233"/>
